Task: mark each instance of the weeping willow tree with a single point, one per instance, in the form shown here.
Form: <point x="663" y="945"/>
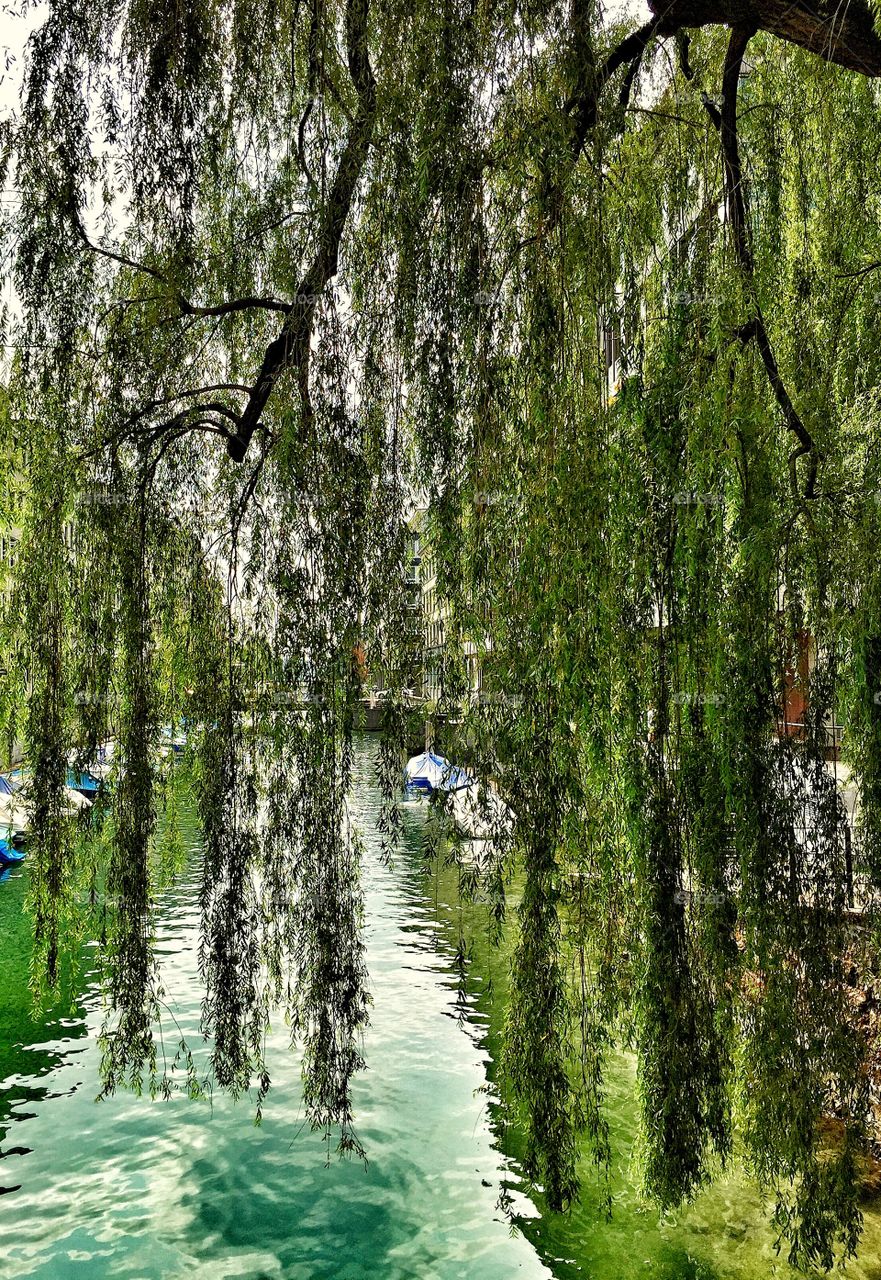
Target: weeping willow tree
<point x="281" y="267"/>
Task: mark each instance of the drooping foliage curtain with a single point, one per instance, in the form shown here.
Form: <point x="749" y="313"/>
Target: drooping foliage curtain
<point x="603" y="298"/>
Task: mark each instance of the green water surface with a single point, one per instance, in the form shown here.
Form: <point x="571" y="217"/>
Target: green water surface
<point x="134" y="1188"/>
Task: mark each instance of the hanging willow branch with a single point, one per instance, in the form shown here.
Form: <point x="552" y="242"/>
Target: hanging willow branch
<point x="725" y="122"/>
<point x="532" y="331"/>
<point x="292" y="347"/>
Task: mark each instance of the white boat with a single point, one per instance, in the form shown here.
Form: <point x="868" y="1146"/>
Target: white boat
<point x="102" y="765"/>
<point x="13" y="814"/>
<point x="480" y="814"/>
<point x="14" y="819"/>
<point x="75" y="801"/>
<point x="14" y="807"/>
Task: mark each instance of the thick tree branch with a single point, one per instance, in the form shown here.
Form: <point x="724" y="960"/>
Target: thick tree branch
<point x="583" y="105"/>
<point x="292" y="348"/>
<point x="737" y="214"/>
<point x="628" y="81"/>
<point x="725" y="122"/>
<point x="583" y="102"/>
<point x="186" y="308"/>
<point x="842" y="33"/>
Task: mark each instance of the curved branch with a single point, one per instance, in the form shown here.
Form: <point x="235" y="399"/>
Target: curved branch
<point x="628" y="81"/>
<point x="292" y="347"/>
<point x="192" y="418"/>
<point x="737" y="213"/>
<point x="186" y="308"/>
<point x="841" y="33"/>
<point x="189" y="392"/>
<point x="583" y="102"/>
<point x="725" y="122"/>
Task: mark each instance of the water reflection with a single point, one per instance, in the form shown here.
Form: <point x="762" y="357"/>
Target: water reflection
<point x="131" y="1187"/>
<point x="136" y="1188"/>
<point x="30" y="1051"/>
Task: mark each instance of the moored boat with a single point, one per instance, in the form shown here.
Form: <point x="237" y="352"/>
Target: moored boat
<point x="426" y="773"/>
<point x="13" y="815"/>
<point x="82" y="782"/>
<point x="171" y="741"/>
<point x="102" y="765"/>
<point x="10" y="856"/>
<point x="480" y="814"/>
<point x="15" y="786"/>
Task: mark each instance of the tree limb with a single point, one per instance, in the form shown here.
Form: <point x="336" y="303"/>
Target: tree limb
<point x="583" y="102"/>
<point x="725" y="122"/>
<point x="248" y="303"/>
<point x="841" y="33"/>
<point x="292" y="347"/>
<point x="186" y="308"/>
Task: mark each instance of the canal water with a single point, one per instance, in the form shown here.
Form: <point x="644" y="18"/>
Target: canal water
<point x="130" y="1187"/>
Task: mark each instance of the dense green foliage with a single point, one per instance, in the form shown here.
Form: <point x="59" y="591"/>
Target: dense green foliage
<point x="282" y="266"/>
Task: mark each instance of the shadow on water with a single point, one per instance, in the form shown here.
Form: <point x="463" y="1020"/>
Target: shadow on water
<point x="724" y="1234"/>
<point x="30" y="1048"/>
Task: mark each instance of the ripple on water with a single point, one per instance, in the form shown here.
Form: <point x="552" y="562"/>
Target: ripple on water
<point x="160" y="1190"/>
<point x="135" y="1188"/>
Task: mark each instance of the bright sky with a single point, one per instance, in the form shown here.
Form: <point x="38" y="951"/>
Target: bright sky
<point x="17" y="21"/>
<point x="15" y="27"/>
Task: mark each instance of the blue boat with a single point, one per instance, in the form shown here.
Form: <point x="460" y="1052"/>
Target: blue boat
<point x="10" y="857"/>
<point x="83" y="782"/>
<point x="14" y="818"/>
<point x="171" y="740"/>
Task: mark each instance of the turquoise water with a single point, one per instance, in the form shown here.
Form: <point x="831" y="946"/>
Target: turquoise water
<point x="134" y="1188"/>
